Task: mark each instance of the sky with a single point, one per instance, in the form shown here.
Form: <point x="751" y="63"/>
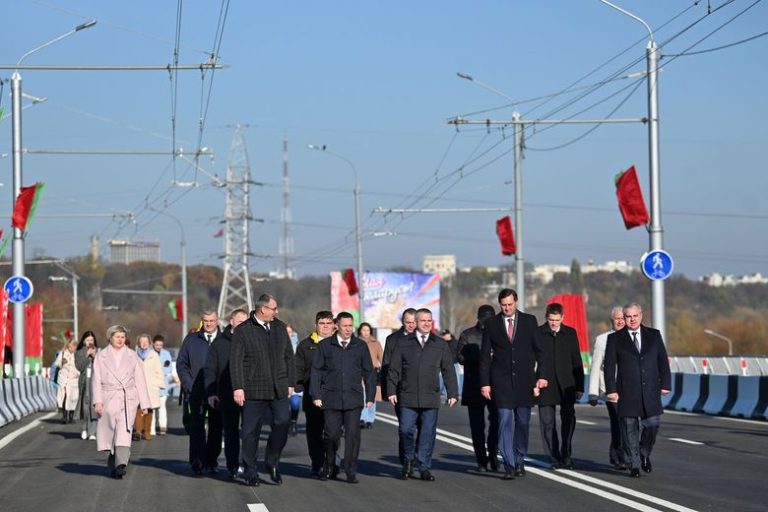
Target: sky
<point x="376" y="83"/>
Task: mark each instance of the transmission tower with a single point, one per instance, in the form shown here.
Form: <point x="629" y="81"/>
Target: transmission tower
<point x="286" y="237"/>
<point x="236" y="288"/>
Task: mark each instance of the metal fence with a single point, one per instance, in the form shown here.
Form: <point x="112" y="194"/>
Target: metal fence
<point x="720" y="365"/>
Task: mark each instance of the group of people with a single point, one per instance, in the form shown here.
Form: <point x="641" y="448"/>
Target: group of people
<point x="242" y="377"/>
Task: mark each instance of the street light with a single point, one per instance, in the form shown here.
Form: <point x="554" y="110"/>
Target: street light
<point x="358" y="236"/>
<point x="183" y="270"/>
<point x="724" y="338"/>
<point x="19" y="311"/>
<point x="517" y="130"/>
<point x="655" y="233"/>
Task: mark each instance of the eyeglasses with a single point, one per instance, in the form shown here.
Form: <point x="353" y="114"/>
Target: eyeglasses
<point x="273" y="309"/>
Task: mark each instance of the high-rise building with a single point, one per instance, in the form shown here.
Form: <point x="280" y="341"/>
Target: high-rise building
<point x="129" y="251"/>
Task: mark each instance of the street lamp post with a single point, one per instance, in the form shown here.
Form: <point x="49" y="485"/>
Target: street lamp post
<point x="656" y="231"/>
<point x="184" y="319"/>
<point x="19" y="311"/>
<point x="358" y="236"/>
<point x="724" y="338"/>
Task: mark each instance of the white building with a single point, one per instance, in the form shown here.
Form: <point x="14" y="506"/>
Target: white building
<point x="442" y="264"/>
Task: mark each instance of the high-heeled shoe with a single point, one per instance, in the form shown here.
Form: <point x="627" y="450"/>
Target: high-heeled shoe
<point x="120" y="472"/>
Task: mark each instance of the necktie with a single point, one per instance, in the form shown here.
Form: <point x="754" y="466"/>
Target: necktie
<point x="266" y="327"/>
<point x="637" y="341"/>
<point x="208" y="337"/>
<point x="511" y="328"/>
<point x="423" y="340"/>
<point x="344" y="344"/>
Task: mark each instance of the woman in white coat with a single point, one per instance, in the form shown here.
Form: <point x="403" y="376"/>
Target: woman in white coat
<point x="67" y="380"/>
<point x="153" y="374"/>
<point x="118" y="388"/>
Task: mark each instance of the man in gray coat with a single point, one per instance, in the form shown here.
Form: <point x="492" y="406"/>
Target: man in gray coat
<point x="263" y="375"/>
<point x="416" y="363"/>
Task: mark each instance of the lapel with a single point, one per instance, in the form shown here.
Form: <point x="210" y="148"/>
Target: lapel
<point x="118" y="370"/>
<point x="630" y="342"/>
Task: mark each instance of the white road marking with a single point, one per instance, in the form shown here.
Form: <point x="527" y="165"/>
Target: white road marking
<point x="26" y="428"/>
<point x="585" y="422"/>
<point x="560" y="476"/>
<point x="257" y="507"/>
<point x="686" y="441"/>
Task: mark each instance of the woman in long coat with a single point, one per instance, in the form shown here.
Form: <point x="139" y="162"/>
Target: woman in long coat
<point x="365" y="333"/>
<point x="118" y="388"/>
<point x="86" y="351"/>
<point x="153" y="374"/>
<point x="68" y="381"/>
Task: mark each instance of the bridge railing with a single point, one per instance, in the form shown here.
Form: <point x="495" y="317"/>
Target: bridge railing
<point x="720" y="365"/>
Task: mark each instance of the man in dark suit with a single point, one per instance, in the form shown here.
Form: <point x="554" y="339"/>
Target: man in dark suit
<point x="637" y="375"/>
<point x="204" y="449"/>
<point x="340" y="367"/>
<point x="305" y="352"/>
<point x="263" y="376"/>
<point x="508" y="365"/>
<point x="566" y="385"/>
<point x="218" y="386"/>
<point x="408" y="319"/>
<point x="486" y="448"/>
<point x="414" y="372"/>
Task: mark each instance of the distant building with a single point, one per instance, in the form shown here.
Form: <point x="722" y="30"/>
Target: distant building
<point x="625" y="267"/>
<point x="545" y="273"/>
<point x="442" y="264"/>
<point x="125" y="251"/>
<point x="718" y="280"/>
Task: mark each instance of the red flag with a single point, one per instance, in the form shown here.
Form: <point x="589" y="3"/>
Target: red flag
<point x="575" y="315"/>
<point x="26" y="202"/>
<point x="506" y="236"/>
<point x="219" y="233"/>
<point x="348" y="275"/>
<point x="176" y="308"/>
<point x="631" y="201"/>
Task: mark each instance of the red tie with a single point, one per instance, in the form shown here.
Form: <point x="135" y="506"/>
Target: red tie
<point x="510" y="328"/>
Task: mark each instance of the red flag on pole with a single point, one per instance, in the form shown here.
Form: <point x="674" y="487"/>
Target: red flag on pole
<point x="631" y="201"/>
<point x="506" y="236"/>
<point x="348" y="275"/>
<point x="26" y="202"/>
<point x="219" y="233"/>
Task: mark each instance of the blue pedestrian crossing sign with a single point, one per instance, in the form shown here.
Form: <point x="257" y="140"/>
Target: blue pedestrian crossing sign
<point x="19" y="289"/>
<point x="657" y="265"/>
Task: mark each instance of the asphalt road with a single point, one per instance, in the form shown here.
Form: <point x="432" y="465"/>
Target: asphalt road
<point x="700" y="463"/>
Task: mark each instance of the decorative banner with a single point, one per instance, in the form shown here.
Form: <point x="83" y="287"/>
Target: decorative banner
<point x="631" y="202"/>
<point x="26" y="204"/>
<point x="575" y="315"/>
<point x="506" y="236"/>
<point x="6" y="339"/>
<point x="34" y="342"/>
<point x="348" y="275"/>
<point x="387" y="294"/>
<point x="177" y="310"/>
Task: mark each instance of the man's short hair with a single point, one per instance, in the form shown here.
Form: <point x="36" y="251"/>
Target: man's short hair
<point x="423" y="311"/>
<point x="408" y="311"/>
<point x="506" y="292"/>
<point x="554" y="309"/>
<point x="344" y="314"/>
<point x="236" y="312"/>
<point x="323" y="315"/>
<point x="485" y="311"/>
<point x="263" y="300"/>
<point x="209" y="312"/>
<point x="633" y="305"/>
<point x="158" y="337"/>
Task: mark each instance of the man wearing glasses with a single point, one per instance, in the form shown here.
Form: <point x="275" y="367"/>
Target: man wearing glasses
<point x="263" y="375"/>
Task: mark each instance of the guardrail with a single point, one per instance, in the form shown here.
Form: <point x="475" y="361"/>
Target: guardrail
<point x="20" y="397"/>
<point x="720" y="365"/>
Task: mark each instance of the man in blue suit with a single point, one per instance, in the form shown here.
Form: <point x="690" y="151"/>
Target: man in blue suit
<point x="637" y="375"/>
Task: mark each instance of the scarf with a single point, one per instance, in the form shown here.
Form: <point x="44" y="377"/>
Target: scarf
<point x="143" y="352"/>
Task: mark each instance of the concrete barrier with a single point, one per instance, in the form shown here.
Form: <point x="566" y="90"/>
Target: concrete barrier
<point x="20" y="397"/>
<point x="16" y="411"/>
<point x="670" y="401"/>
<point x="761" y="409"/>
<point x="6" y="415"/>
<point x="33" y="393"/>
<point x="48" y="392"/>
<point x="721" y="389"/>
<point x="691" y="392"/>
<point x="748" y="397"/>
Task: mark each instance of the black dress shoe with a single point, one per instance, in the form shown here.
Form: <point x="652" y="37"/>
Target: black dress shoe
<point x="251" y="480"/>
<point x="493" y="463"/>
<point x="566" y="465"/>
<point x="519" y="470"/>
<point x="197" y="467"/>
<point x="634" y="473"/>
<point x="274" y="475"/>
<point x="407" y="470"/>
<point x="645" y="463"/>
<point x="120" y="472"/>
<point x="555" y="466"/>
<point x="352" y="479"/>
<point x="621" y="467"/>
<point x="509" y="475"/>
<point x="426" y="475"/>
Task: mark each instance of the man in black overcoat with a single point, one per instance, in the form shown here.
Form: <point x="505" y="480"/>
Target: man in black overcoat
<point x="510" y="358"/>
<point x="637" y="375"/>
<point x="566" y="385"/>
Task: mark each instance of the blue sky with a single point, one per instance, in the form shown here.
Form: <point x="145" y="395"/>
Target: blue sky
<point x="376" y="82"/>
